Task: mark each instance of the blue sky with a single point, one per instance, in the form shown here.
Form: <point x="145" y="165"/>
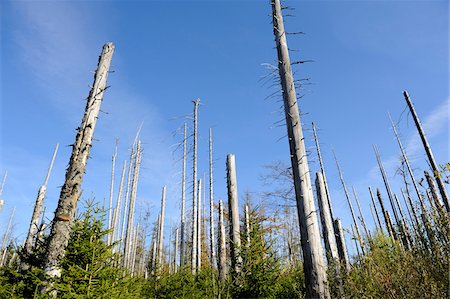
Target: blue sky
<point x="169" y="53"/>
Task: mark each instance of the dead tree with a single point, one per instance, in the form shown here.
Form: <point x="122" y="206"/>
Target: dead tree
<point x="233" y="210"/>
<point x="199" y="224"/>
<point x="175" y="265"/>
<point x="131" y="209"/>
<point x="211" y="201"/>
<point x="349" y="201"/>
<point x="222" y="250"/>
<point x="34" y="225"/>
<point x="327" y="222"/>
<point x="194" y="192"/>
<point x="127" y="196"/>
<point x="387" y="219"/>
<point x="4" y="247"/>
<point x="341" y="244"/>
<point x="70" y="191"/>
<point x="183" y="203"/>
<point x="376" y="209"/>
<point x="111" y="194"/>
<point x="161" y="230"/>
<point x="427" y="148"/>
<point x="247" y="224"/>
<point x="437" y="201"/>
<point x="117" y="211"/>
<point x="361" y="214"/>
<point x="315" y="274"/>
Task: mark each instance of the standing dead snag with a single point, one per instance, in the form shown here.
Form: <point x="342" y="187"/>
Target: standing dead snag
<point x="211" y="202"/>
<point x="222" y="250"/>
<point x="199" y="224"/>
<point x="341" y="244"/>
<point x="161" y="230"/>
<point x="315" y="274"/>
<point x="111" y="193"/>
<point x="233" y="209"/>
<point x="70" y="191"/>
<point x="430" y="155"/>
<point x="327" y="222"/>
<point x="183" y="204"/>
<point x="194" y="192"/>
<point x="34" y="225"/>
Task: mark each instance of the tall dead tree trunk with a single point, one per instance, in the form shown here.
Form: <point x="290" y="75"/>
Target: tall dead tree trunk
<point x="233" y="210"/>
<point x="222" y="250"/>
<point x="361" y="214"/>
<point x="247" y="224"/>
<point x="315" y="274"/>
<point x="387" y="219"/>
<point x="127" y="197"/>
<point x="133" y="194"/>
<point x="194" y="192"/>
<point x="175" y="265"/>
<point x="111" y="194"/>
<point x="183" y="204"/>
<point x="199" y="225"/>
<point x="161" y="230"/>
<point x="6" y="236"/>
<point x="429" y="152"/>
<point x="437" y="201"/>
<point x="349" y="201"/>
<point x="34" y="225"/>
<point x="341" y="244"/>
<point x="211" y="202"/>
<point x="70" y="191"/>
<point x="117" y="211"/>
<point x="1" y="190"/>
<point x="327" y="222"/>
<point x="376" y="209"/>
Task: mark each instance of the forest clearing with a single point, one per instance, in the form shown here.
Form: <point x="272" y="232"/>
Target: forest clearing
<point x="144" y="210"/>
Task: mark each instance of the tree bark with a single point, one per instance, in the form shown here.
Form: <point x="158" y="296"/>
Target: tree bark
<point x="222" y="265"/>
<point x="183" y="204"/>
<point x="314" y="264"/>
<point x="70" y="192"/>
<point x="194" y="192"/>
<point x="211" y="201"/>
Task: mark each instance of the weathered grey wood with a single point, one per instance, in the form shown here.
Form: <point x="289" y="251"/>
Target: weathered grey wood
<point x="322" y="170"/>
<point x="211" y="202"/>
<point x="387" y="219"/>
<point x="428" y="151"/>
<point x="408" y="166"/>
<point x="161" y="229"/>
<point x="127" y="197"/>
<point x="199" y="225"/>
<point x="222" y="250"/>
<point x="2" y="202"/>
<point x="175" y="264"/>
<point x="133" y="194"/>
<point x="183" y="204"/>
<point x="70" y="191"/>
<point x="233" y="210"/>
<point x="117" y="211"/>
<point x="194" y="192"/>
<point x="314" y="264"/>
<point x="437" y="200"/>
<point x="376" y="210"/>
<point x="111" y="194"/>
<point x="341" y="244"/>
<point x="327" y="223"/>
<point x="404" y="225"/>
<point x="247" y="224"/>
<point x="6" y="236"/>
<point x="361" y="214"/>
<point x="349" y="201"/>
<point x="34" y="224"/>
<point x="386" y="184"/>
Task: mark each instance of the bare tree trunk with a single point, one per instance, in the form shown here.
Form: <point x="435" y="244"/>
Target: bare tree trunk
<point x="361" y="214"/>
<point x="404" y="224"/>
<point x="34" y="225"/>
<point x="117" y="211"/>
<point x="183" y="204"/>
<point x="194" y="192"/>
<point x="341" y="244"/>
<point x="127" y="198"/>
<point x="247" y="225"/>
<point x="211" y="202"/>
<point x="161" y="230"/>
<point x="111" y="193"/>
<point x="315" y="274"/>
<point x="70" y="191"/>
<point x="233" y="210"/>
<point x="430" y="155"/>
<point x="199" y="225"/>
<point x="387" y="219"/>
<point x="1" y="190"/>
<point x="376" y="210"/>
<point x="6" y="236"/>
<point x="437" y="201"/>
<point x="349" y="201"/>
<point x="327" y="222"/>
<point x="130" y="220"/>
<point x="408" y="166"/>
<point x="175" y="265"/>
<point x="222" y="265"/>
